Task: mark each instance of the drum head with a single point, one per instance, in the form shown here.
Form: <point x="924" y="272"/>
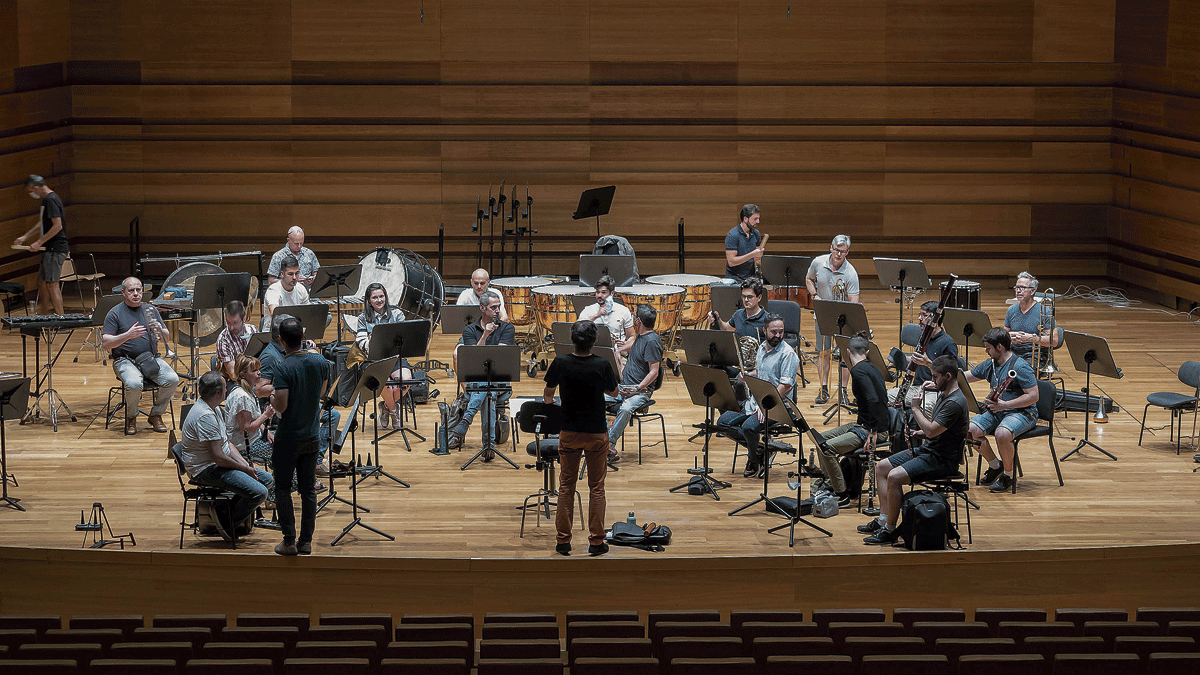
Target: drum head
<point x="683" y="279"/>
<point x="520" y="282"/>
<point x="209" y="322"/>
<point x="412" y="284"/>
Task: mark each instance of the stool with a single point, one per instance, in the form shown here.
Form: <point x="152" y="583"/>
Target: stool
<point x="544" y="463"/>
<point x="643" y="415"/>
<point x="12" y="289"/>
<point x="119" y="391"/>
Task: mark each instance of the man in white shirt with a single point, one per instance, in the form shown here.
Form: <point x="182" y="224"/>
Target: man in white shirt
<point x="608" y="312"/>
<point x="480" y="283"/>
<point x="287" y="292"/>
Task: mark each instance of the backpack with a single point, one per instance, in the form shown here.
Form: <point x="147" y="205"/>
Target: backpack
<point x="649" y="538"/>
<point x="925" y="522"/>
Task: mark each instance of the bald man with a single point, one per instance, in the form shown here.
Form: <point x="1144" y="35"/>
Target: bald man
<point x="480" y="282"/>
<point x="295" y="248"/>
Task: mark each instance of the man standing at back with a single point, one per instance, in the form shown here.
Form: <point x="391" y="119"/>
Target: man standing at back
<point x="306" y="260"/>
<point x="299" y="380"/>
<point x="52" y="243"/>
<point x="743" y="245"/>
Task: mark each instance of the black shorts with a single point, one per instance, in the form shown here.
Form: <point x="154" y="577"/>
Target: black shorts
<point x="52" y="264"/>
<point x="922" y="466"/>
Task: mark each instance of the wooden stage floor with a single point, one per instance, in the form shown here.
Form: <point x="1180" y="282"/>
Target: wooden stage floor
<point x="1148" y="497"/>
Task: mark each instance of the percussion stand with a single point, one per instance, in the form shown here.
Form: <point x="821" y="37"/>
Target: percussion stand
<point x="336" y="281"/>
<point x="1090" y="352"/>
<point x="493" y="366"/>
<point x="704" y="384"/>
<point x="850" y="319"/>
<point x="53" y="399"/>
<point x="14" y="397"/>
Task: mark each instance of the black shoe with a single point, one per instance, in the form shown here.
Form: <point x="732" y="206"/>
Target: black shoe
<point x="563" y="548"/>
<point x="597" y="549"/>
<point x="871" y="527"/>
<point x="990" y="476"/>
<point x="304" y="548"/>
<point x="751" y="470"/>
<point x="823" y="396"/>
<point x="843" y="500"/>
<point x="1003" y="483"/>
<point x="435" y="450"/>
<point x="882" y="537"/>
<point x="762" y="472"/>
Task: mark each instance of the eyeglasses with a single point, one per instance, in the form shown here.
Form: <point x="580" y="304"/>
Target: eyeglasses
<point x="1021" y="288"/>
<point x="749" y="297"/>
<point x="839" y="251"/>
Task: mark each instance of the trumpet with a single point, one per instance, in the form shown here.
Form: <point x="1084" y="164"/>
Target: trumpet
<point x="1043" y="356"/>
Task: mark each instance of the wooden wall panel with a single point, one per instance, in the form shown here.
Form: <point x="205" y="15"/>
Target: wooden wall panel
<point x="367" y="30"/>
<point x="821" y="32"/>
<point x="43" y="31"/>
<point x="960" y="30"/>
<point x="494" y="31"/>
<point x="216" y="30"/>
<point x="668" y="30"/>
<point x="1073" y="30"/>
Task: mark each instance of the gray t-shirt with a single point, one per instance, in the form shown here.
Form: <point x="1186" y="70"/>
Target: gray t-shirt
<point x="1026" y="322"/>
<point x="646" y="349"/>
<point x="121" y="318"/>
<point x="202" y="426"/>
<point x="827" y="278"/>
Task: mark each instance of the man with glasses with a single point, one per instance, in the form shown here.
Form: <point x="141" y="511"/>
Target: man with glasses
<point x="775" y="362"/>
<point x="1023" y="317"/>
<point x="747" y="321"/>
<point x="831" y="277"/>
<point x="489" y="330"/>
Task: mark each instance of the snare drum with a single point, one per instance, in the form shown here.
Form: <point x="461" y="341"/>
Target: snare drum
<point x="965" y="294"/>
<point x="797" y="294"/>
<point x="516" y="291"/>
<point x="697" y="297"/>
<point x="667" y="300"/>
<point x="554" y="303"/>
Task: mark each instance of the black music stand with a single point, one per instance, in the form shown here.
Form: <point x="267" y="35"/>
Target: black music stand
<point x="710" y="388"/>
<point x="783" y="271"/>
<point x="374" y="378"/>
<point x="14" y="398"/>
<point x="873" y="355"/>
<point x="561" y="330"/>
<point x="1090" y="354"/>
<point x="335" y="281"/>
<point x="714" y="349"/>
<point x="212" y="292"/>
<point x="801" y="426"/>
<point x="454" y="318"/>
<point x="257" y="343"/>
<point x="593" y="266"/>
<point x="314" y="317"/>
<point x="909" y="278"/>
<point x="494" y="366"/>
<point x="966" y="326"/>
<point x="353" y="469"/>
<point x="392" y="341"/>
<point x="726" y="299"/>
<point x="848" y="318"/>
<point x="594" y="203"/>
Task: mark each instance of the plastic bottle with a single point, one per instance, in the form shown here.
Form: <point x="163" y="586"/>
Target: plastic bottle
<point x="630" y="519"/>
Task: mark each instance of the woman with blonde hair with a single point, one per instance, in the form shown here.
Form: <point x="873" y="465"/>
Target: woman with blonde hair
<point x="243" y="418"/>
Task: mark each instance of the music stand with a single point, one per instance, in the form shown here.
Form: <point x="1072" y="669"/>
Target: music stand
<point x="712" y="348"/>
<point x="909" y="278"/>
<point x="335" y="281"/>
<point x="710" y="388"/>
<point x="315" y="316"/>
<point x="726" y="299"/>
<point x="966" y="326"/>
<point x="14" y="399"/>
<point x="593" y="266"/>
<point x="257" y="343"/>
<point x="783" y="271"/>
<point x="594" y="203"/>
<point x="873" y="355"/>
<point x="1090" y="353"/>
<point x="404" y="339"/>
<point x="213" y="292"/>
<point x="374" y="378"/>
<point x="847" y="318"/>
<point x="494" y="366"/>
<point x="455" y="318"/>
<point x="103" y="304"/>
<point x="561" y="330"/>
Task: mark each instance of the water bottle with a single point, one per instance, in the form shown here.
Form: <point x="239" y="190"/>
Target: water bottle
<point x="630" y="519"/>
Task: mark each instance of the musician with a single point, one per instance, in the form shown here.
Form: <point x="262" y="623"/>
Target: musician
<point x="131" y="330"/>
<point x="639" y="376"/>
<point x="873" y="420"/>
<point x="742" y="245"/>
<point x="608" y="312"/>
<point x="231" y="342"/>
<point x="775" y="362"/>
<point x="294" y="248"/>
<point x="489" y="330"/>
<point x="51" y="241"/>
<point x="939" y="344"/>
<point x="585" y="378"/>
<point x="210" y="459"/>
<point x="747" y="321"/>
<point x="481" y="281"/>
<point x="378" y="310"/>
<point x="299" y="380"/>
<point x="245" y="419"/>
<point x="944" y="431"/>
<point x="1012" y="415"/>
<point x="1023" y="318"/>
<point x="831" y="277"/>
<point x="286" y="290"/>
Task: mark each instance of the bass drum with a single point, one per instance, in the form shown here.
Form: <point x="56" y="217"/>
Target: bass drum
<point x="209" y="322"/>
<point x="411" y="282"/>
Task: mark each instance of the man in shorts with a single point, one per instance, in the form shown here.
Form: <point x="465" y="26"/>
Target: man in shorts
<point x="51" y="241"/>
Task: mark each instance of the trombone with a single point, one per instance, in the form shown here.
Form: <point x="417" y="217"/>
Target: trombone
<point x="1043" y="356"/>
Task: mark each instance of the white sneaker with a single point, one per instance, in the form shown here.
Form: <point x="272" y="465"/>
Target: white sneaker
<point x="385" y="418"/>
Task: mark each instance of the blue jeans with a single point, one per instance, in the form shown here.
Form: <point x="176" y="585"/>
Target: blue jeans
<point x="628" y="405"/>
<point x="751" y="433"/>
<point x="300" y="457"/>
<point x="249" y="492"/>
<point x="475" y="402"/>
<point x="133" y="381"/>
<point x="323" y="431"/>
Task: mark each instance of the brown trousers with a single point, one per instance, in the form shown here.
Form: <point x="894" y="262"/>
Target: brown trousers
<point x="593" y="448"/>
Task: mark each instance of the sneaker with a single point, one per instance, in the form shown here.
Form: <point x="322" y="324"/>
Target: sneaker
<point x="286" y="549"/>
<point x="1003" y="483"/>
<point x="762" y="472"/>
<point x="563" y="548"/>
<point x="751" y="470"/>
<point x="990" y="476"/>
<point x="843" y="500"/>
<point x="871" y="527"/>
<point x="882" y="537"/>
<point x="304" y="548"/>
<point x="1196" y="457"/>
<point x="597" y="549"/>
<point x="823" y="396"/>
<point x="385" y="418"/>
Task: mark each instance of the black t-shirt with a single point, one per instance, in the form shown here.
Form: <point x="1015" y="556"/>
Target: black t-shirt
<point x="302" y="375"/>
<point x="869" y="390"/>
<point x="939" y="345"/>
<point x="503" y="335"/>
<point x="582" y="381"/>
<point x="52" y="207"/>
<point x="950" y="412"/>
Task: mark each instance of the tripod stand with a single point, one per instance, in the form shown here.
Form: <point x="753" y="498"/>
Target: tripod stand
<point x="95" y="528"/>
<point x="491" y="367"/>
<point x="351" y="426"/>
<point x="372" y="381"/>
<point x="357" y="522"/>
<point x="1090" y="353"/>
<point x="53" y="398"/>
<point x="801" y="425"/>
<point x="705" y="384"/>
<point x="14" y="396"/>
<point x="403" y="339"/>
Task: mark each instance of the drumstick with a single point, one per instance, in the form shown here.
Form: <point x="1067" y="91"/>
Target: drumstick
<point x="21" y="247"/>
<point x="764" y="241"/>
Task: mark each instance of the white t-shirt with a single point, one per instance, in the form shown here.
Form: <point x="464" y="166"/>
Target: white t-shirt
<point x="468" y="297"/>
<point x="618" y="319"/>
<point x="237" y="401"/>
<point x="277" y="297"/>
